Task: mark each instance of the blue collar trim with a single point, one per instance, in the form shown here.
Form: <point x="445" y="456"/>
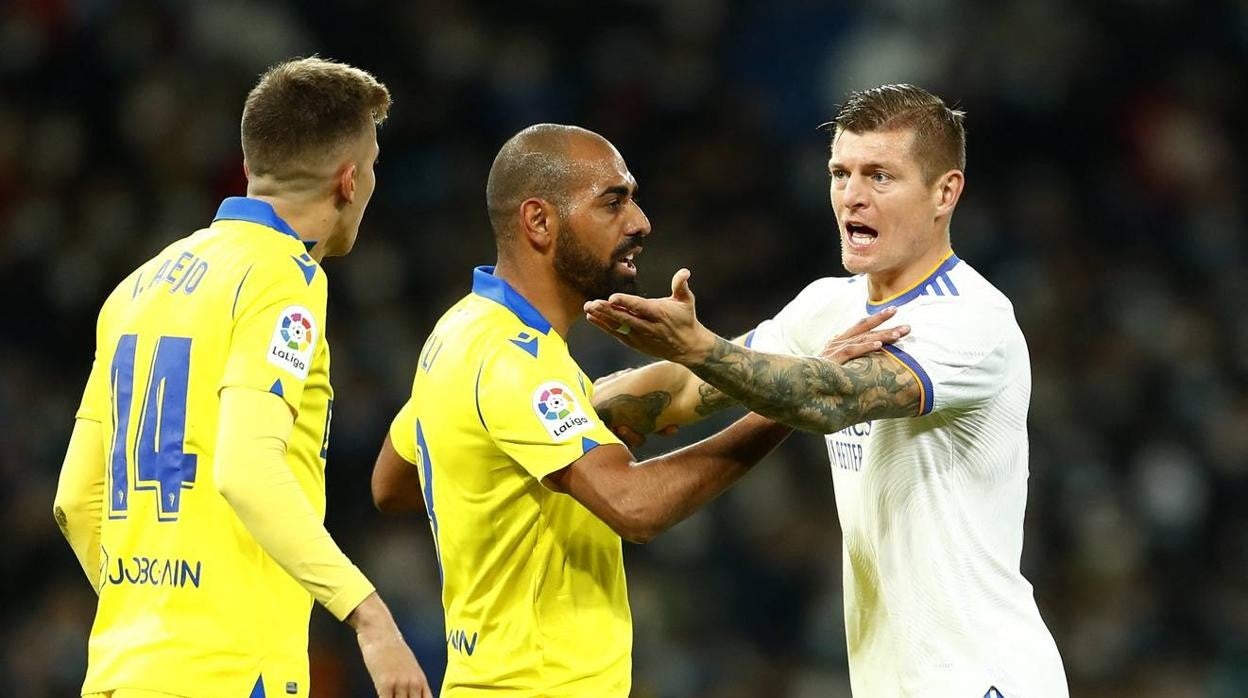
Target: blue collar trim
<point x="241" y="208"/>
<point x="486" y="285"/>
<point x="929" y="284"/>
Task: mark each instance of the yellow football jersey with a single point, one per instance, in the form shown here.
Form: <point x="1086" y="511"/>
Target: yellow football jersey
<point x="189" y="602"/>
<point x="532" y="582"/>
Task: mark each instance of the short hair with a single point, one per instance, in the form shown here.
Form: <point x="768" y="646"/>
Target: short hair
<point x="536" y="162"/>
<point x="939" y="133"/>
<point x="304" y="108"/>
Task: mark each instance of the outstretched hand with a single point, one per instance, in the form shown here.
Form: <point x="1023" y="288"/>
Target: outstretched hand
<point x="863" y="337"/>
<point x="666" y="328"/>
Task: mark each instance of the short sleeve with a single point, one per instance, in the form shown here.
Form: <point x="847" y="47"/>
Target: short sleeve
<point x="805" y="324"/>
<point x="402" y="434"/>
<point x="537" y="409"/>
<point x="278" y="325"/>
<point x="956" y="351"/>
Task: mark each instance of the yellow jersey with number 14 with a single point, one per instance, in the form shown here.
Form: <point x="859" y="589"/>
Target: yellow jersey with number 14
<point x="189" y="602"/>
<point x="532" y="582"/>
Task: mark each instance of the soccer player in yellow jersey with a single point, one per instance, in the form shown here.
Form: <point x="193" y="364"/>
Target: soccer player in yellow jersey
<point x="527" y="491"/>
<point x="193" y="490"/>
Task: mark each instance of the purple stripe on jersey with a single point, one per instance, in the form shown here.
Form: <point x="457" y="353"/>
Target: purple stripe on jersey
<point x="918" y="290"/>
<point x="749" y="340"/>
<point x="925" y="400"/>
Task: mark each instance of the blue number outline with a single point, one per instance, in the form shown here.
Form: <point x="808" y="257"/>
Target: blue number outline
<point x="161" y="462"/>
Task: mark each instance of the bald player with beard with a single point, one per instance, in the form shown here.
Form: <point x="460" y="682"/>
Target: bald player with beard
<point x="528" y="492"/>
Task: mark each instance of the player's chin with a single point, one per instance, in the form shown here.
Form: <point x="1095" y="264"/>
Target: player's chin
<point x="624" y="282"/>
<point x="856" y="262"/>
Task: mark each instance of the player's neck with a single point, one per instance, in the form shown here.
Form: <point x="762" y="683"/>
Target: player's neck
<point x="544" y="292"/>
<point x="888" y="284"/>
<point x="312" y="220"/>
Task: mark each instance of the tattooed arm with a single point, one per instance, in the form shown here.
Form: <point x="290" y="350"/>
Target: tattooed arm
<point x="810" y="393"/>
<point x="850" y="383"/>
<point x="659" y="396"/>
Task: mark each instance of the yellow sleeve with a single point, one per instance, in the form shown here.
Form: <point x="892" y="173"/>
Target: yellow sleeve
<point x="79" y="503"/>
<point x="251" y="473"/>
<point x="279" y="320"/>
<point x="403" y="432"/>
<point x="538" y="411"/>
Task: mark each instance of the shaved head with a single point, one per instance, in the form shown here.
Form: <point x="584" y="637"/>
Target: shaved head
<point x="544" y="161"/>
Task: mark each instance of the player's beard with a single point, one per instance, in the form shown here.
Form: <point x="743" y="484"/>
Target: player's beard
<point x="595" y="279"/>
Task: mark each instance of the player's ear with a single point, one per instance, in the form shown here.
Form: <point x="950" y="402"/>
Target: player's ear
<point x="538" y="223"/>
<point x="346" y="182"/>
<point x="947" y="191"/>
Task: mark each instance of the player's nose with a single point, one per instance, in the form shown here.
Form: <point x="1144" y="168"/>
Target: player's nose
<point x="856" y="193"/>
<point x="641" y="226"/>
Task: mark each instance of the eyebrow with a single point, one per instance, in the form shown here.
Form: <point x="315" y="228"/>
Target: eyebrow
<point x="869" y="165"/>
<point x="620" y="190"/>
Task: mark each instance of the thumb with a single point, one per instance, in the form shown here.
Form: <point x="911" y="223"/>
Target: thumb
<point x="680" y="285"/>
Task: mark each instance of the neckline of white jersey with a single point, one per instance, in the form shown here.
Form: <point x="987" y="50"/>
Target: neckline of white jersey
<point x="487" y="285"/>
<point x="921" y="287"/>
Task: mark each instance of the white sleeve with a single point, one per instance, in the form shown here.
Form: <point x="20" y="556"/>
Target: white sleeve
<point x="956" y="350"/>
<point x="803" y="326"/>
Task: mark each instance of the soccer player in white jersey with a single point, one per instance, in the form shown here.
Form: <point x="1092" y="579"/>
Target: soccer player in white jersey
<point x="927" y="438"/>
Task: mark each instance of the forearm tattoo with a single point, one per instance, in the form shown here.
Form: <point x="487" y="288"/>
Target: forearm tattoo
<point x="711" y="400"/>
<point x="638" y="413"/>
<point x="812" y="393"/>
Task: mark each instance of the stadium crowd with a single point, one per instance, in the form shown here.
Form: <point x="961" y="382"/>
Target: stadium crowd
<point x="1107" y="202"/>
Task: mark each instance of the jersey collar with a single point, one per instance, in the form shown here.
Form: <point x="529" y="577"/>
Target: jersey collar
<point x="929" y="284"/>
<point x="486" y="285"/>
<point x="241" y="208"/>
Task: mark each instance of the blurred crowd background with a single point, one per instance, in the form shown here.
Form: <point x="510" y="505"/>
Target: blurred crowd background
<point x="1106" y="198"/>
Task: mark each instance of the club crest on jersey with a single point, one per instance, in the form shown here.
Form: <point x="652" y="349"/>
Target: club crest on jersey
<point x="294" y="336"/>
<point x="559" y="411"/>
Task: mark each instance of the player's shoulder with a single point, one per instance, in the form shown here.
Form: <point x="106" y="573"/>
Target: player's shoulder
<point x="966" y="305"/>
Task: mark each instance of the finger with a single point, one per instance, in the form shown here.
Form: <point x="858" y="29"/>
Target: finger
<point x="680" y="285"/>
<point x="643" y="307"/>
<point x="869" y="322"/>
<point x="887" y="336"/>
<point x="668" y="430"/>
<point x="611" y="314"/>
<point x="853" y="350"/>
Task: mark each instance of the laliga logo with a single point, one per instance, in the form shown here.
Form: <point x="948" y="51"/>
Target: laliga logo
<point x="296" y="331"/>
<point x="554" y="404"/>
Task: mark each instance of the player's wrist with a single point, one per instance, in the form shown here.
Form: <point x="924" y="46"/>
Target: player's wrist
<point x="371" y="614"/>
<point x="699" y="348"/>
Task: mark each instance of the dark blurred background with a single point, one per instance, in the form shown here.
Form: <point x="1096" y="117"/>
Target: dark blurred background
<point x="1106" y="198"/>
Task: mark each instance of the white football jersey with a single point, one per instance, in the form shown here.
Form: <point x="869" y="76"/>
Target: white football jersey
<point x="931" y="507"/>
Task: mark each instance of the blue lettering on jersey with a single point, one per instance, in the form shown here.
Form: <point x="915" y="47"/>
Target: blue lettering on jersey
<point x="994" y="693"/>
<point x="427" y="355"/>
<point x="182" y="274"/>
<point x="458" y="640"/>
<point x="141" y="570"/>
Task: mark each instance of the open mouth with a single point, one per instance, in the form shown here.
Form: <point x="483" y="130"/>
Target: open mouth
<point x="860" y="235"/>
<point x="629" y="260"/>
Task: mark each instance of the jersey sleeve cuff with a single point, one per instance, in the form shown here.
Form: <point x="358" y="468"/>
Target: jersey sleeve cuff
<point x="351" y="595"/>
<point x="925" y="382"/>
